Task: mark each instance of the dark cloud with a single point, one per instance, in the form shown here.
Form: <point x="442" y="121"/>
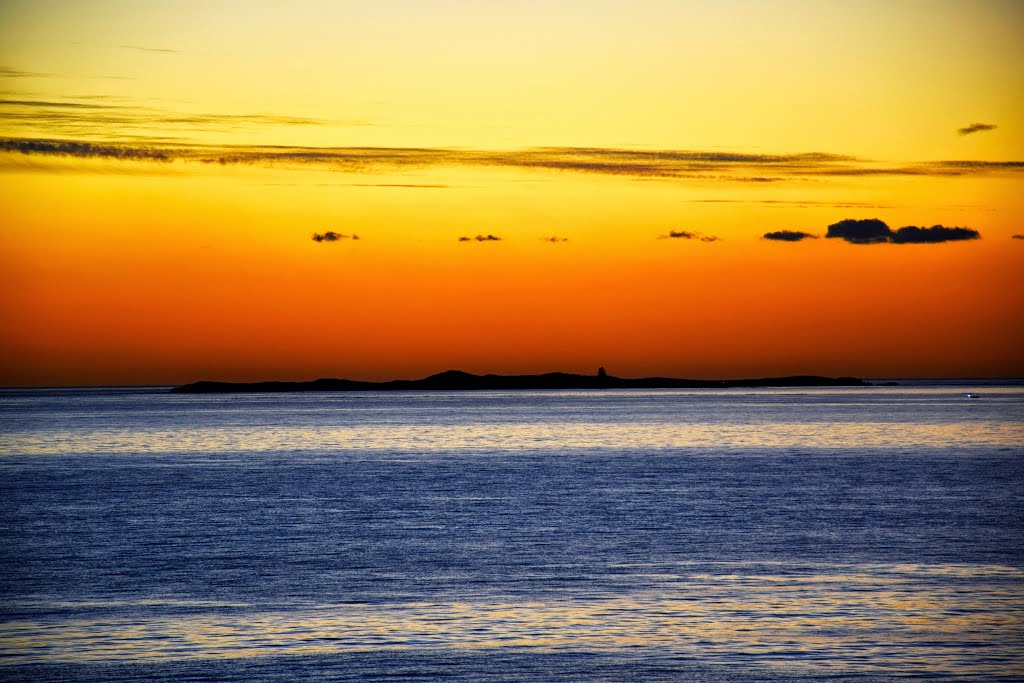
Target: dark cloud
<point x="654" y="164"/>
<point x="1017" y="237"/>
<point x="554" y="239"/>
<point x="686" y="235"/>
<point x="976" y="128"/>
<point x="875" y="231"/>
<point x="331" y="236"/>
<point x="869" y="231"/>
<point x="788" y="236"/>
<point x="480" y="238"/>
<point x="88" y="150"/>
<point x="912" y="234"/>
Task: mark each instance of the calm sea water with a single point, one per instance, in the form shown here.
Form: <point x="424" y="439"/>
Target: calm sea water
<point x="716" y="535"/>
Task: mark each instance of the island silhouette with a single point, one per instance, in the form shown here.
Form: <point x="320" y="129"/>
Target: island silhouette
<point x="457" y="380"/>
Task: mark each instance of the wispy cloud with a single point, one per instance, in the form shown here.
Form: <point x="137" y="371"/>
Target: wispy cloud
<point x="331" y="236"/>
<point x="976" y="128"/>
<point x="875" y="231"/>
<point x="788" y="236"/>
<point x="97" y="117"/>
<point x="687" y="235"/>
<point x="141" y="48"/>
<point x="798" y="203"/>
<point x="668" y="164"/>
<point x="554" y="239"/>
<point x="480" y="238"/>
<point x="8" y="72"/>
<point x="84" y="150"/>
<point x="1017" y="237"/>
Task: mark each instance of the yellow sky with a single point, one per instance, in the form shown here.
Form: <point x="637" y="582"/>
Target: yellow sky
<point x="224" y="134"/>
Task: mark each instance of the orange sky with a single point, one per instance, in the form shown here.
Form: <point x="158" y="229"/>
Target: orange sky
<point x="163" y="168"/>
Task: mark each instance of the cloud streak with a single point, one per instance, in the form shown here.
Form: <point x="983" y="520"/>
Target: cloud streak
<point x="480" y="238"/>
<point x="788" y="236"/>
<point x="331" y="236"/>
<point x="8" y="72"/>
<point x="687" y="235"/>
<point x="658" y="164"/>
<point x="141" y="48"/>
<point x="976" y="128"/>
<point x="875" y="231"/>
<point x="554" y="239"/>
<point x="96" y="118"/>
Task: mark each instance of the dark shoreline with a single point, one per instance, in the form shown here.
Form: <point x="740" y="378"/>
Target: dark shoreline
<point x="456" y="380"/>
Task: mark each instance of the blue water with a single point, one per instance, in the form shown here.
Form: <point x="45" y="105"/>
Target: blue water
<point x="715" y="535"/>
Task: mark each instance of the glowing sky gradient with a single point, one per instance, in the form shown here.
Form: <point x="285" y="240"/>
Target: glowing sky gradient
<point x="164" y="165"/>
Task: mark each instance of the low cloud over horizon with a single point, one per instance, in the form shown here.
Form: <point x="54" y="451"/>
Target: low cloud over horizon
<point x="480" y="238"/>
<point x="876" y="231"/>
<point x="554" y="239"/>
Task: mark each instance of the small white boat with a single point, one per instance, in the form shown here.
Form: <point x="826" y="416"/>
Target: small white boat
<point x="972" y="395"/>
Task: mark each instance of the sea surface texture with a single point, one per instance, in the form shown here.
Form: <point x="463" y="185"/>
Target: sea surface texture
<point x="706" y="535"/>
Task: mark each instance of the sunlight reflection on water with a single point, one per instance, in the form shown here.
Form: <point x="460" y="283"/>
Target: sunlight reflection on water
<point x="871" y="532"/>
<point x="873" y="616"/>
<point x="513" y="437"/>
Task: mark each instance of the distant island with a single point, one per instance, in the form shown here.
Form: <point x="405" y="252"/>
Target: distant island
<point x="456" y="380"/>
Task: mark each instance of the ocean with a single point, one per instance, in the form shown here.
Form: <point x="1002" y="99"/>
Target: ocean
<point x="704" y="535"/>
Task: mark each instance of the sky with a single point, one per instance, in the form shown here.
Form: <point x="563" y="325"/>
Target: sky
<point x="376" y="190"/>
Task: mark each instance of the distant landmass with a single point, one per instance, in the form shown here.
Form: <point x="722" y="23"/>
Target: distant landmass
<point x="456" y="380"/>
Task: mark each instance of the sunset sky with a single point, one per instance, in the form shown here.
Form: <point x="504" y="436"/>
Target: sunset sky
<point x="164" y="167"/>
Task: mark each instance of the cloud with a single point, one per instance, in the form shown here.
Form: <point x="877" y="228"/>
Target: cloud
<point x="554" y="239"/>
<point x="686" y="235"/>
<point x="1017" y="237"/>
<point x="875" y="231"/>
<point x="85" y="150"/>
<point x="147" y="49"/>
<point x="912" y="234"/>
<point x="869" y="231"/>
<point x="799" y="203"/>
<point x="788" y="236"/>
<point x="8" y="72"/>
<point x="415" y="186"/>
<point x="95" y="118"/>
<point x="480" y="238"/>
<point x="976" y="128"/>
<point x="641" y="164"/>
<point x="331" y="236"/>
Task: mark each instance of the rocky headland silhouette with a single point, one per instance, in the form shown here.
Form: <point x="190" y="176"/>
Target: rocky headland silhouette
<point x="456" y="380"/>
